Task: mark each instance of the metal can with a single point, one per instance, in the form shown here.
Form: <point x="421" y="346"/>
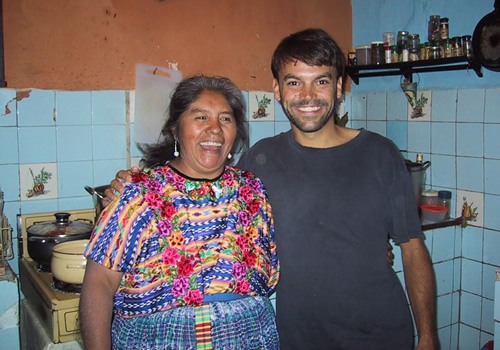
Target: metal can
<point x="377" y="52"/>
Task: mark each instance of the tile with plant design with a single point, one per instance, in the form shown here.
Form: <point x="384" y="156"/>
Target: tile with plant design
<point x="38" y="181"/>
<point x="470" y="206"/>
<point x="260" y="106"/>
<point x="419" y="108"/>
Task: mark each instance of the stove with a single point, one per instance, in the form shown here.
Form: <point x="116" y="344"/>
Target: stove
<point x="57" y="309"/>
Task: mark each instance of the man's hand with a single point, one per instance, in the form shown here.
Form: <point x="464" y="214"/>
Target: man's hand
<point x="116" y="186"/>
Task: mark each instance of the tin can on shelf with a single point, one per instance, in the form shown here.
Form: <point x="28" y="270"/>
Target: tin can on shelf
<point x="377" y="52"/>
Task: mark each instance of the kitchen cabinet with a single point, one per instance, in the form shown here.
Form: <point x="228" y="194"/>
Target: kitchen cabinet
<point x="407" y="69"/>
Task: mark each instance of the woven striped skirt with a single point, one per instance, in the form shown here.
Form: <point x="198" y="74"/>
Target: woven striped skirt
<point x="242" y="324"/>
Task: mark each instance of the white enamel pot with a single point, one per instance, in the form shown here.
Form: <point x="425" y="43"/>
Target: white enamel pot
<point x="68" y="262"/>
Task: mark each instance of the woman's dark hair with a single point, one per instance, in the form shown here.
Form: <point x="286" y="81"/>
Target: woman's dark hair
<point x="313" y="46"/>
<point x="187" y="92"/>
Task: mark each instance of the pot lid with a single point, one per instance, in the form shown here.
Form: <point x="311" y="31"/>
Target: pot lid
<point x="62" y="226"/>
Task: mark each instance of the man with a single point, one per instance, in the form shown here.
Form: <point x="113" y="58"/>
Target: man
<point x="337" y="195"/>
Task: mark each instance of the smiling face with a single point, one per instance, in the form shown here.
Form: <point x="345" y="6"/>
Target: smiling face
<point x="206" y="133"/>
<point x="307" y="94"/>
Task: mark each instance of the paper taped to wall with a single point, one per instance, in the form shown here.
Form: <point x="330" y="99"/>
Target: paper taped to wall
<point x="153" y="87"/>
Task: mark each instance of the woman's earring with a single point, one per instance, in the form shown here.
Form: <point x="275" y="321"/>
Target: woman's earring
<point x="229" y="156"/>
<point x="176" y="152"/>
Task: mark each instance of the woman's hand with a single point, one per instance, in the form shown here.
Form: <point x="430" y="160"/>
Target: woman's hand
<point x="116" y="185"/>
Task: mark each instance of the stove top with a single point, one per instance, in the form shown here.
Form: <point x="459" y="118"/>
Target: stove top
<point x="57" y="309"/>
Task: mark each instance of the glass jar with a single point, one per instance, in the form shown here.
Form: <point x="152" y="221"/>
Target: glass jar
<point x="467" y="46"/>
<point x="434" y="52"/>
<point x="433" y="28"/>
<point x="443" y="24"/>
<point x="402" y="40"/>
<point x="351" y="57"/>
<point x="429" y="197"/>
<point x="456" y="46"/>
<point x="444" y="198"/>
<point x="446" y="49"/>
<point x="414" y="47"/>
<point x="394" y="54"/>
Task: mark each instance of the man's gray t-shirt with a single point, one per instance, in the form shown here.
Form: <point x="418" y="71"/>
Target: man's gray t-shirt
<point x="334" y="210"/>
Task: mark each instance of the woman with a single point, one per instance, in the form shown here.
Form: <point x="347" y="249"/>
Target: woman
<point x="185" y="258"/>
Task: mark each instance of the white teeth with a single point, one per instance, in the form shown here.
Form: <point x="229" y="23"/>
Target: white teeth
<point x="309" y="109"/>
<point x="211" y="143"/>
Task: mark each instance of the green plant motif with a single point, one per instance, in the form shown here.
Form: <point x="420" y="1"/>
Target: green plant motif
<point x="419" y="107"/>
<point x="262" y="104"/>
<point x="39" y="182"/>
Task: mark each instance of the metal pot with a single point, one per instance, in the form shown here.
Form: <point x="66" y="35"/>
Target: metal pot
<point x="68" y="262"/>
<point x="417" y="175"/>
<point x="97" y="197"/>
<point x="43" y="236"/>
<point x="486" y="40"/>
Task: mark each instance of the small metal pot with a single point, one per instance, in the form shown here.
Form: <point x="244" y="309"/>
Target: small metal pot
<point x="97" y="196"/>
<point x="68" y="262"/>
<point x="43" y="236"/>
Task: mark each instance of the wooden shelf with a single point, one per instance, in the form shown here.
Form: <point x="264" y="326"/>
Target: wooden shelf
<point x="407" y="69"/>
<point x="441" y="224"/>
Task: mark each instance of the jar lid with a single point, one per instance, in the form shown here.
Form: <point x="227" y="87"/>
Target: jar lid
<point x="429" y="193"/>
<point x="363" y="47"/>
<point x="444" y="194"/>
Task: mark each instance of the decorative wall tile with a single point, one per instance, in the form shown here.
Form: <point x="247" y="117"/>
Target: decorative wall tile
<point x="419" y="109"/>
<point x="38" y="181"/>
<point x="473" y="204"/>
<point x="261" y="106"/>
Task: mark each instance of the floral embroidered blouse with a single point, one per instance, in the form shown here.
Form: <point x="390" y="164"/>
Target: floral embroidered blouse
<point x="176" y="239"/>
